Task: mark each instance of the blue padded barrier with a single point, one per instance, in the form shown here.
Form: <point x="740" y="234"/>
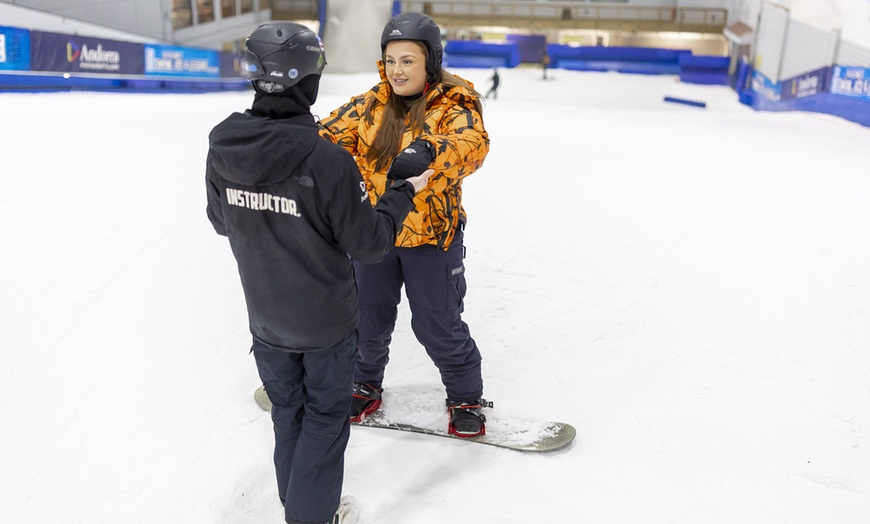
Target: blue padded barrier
<point x="705" y="61"/>
<point x="559" y="52"/>
<point x="685" y="101"/>
<point x="531" y="47"/>
<point x="704" y="69"/>
<point x="46" y="83"/>
<point x="639" y="68"/>
<point x="636" y="60"/>
<point x="474" y="53"/>
<point x="763" y="95"/>
<point x="850" y="108"/>
<point x="481" y="62"/>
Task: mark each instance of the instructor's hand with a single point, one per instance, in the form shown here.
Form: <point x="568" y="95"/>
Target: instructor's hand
<point x="420" y="181"/>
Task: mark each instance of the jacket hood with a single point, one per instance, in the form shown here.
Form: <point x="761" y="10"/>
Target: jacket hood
<point x="253" y="150"/>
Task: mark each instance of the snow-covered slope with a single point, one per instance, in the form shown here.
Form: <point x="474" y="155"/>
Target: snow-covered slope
<point x="687" y="287"/>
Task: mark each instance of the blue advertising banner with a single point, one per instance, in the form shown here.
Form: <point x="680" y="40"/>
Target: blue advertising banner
<point x="79" y="54"/>
<point x="164" y="60"/>
<point x="851" y="81"/>
<point x="807" y="84"/>
<point x="14" y="49"/>
<point x="763" y="86"/>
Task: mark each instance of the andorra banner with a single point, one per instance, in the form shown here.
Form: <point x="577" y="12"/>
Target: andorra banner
<point x="77" y="54"/>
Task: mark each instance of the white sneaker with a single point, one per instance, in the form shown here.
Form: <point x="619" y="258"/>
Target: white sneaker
<point x="347" y="512"/>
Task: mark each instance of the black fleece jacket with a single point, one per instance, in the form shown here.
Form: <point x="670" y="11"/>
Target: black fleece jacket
<point x="295" y="210"/>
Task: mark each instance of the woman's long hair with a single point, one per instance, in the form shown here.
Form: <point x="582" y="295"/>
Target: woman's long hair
<point x="388" y="137"/>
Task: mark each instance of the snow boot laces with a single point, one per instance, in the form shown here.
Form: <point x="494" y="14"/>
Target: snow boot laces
<point x="366" y="400"/>
<point x="467" y="418"/>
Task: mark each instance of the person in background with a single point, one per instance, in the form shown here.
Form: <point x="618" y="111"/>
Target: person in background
<point x="294" y="208"/>
<point x="419" y="116"/>
<point x="495" y="82"/>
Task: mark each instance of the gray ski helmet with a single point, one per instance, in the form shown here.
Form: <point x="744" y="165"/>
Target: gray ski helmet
<point x="420" y="28"/>
<point x="283" y="53"/>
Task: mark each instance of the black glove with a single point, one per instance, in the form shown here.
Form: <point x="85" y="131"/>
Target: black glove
<point x="412" y="161"/>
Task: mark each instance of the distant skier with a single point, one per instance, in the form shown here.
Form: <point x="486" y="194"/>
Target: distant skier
<point x="294" y="207"/>
<point x="495" y="82"/>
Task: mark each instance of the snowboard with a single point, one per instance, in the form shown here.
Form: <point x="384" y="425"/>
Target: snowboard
<point x="413" y="411"/>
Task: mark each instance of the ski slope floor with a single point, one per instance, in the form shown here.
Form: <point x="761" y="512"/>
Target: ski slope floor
<point x="688" y="287"/>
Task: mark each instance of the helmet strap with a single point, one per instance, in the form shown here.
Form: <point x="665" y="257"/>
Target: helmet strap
<point x="267" y="87"/>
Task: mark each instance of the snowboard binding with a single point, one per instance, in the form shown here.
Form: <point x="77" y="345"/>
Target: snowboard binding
<point x="466" y="418"/>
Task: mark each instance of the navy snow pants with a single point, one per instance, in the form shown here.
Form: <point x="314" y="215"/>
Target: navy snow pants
<point x="434" y="282"/>
<point x="311" y="397"/>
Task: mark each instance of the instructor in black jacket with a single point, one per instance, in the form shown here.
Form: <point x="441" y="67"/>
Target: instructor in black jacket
<point x="295" y="210"/>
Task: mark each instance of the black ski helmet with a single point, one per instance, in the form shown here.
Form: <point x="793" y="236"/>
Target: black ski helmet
<point x="420" y="28"/>
<point x="283" y="53"/>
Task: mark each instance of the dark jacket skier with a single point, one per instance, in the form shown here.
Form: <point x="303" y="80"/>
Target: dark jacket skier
<point x="496" y="80"/>
<point x="295" y="209"/>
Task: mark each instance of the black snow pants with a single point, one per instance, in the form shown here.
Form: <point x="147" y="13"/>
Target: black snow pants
<point x="311" y="397"/>
<point x="434" y="282"/>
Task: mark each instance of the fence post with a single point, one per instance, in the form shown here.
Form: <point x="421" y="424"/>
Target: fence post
<point x="784" y="49"/>
<point x="753" y="50"/>
<point x="838" y="37"/>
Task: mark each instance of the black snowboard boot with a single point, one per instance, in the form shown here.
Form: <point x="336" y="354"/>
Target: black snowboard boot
<point x="366" y="400"/>
<point x="466" y="418"/>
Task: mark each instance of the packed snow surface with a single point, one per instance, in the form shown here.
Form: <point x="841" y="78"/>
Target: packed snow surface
<point x="688" y="287"/>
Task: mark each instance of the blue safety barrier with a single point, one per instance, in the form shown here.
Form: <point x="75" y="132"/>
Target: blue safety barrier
<point x="704" y="69"/>
<point x="838" y="90"/>
<point x="684" y="101"/>
<point x="474" y="53"/>
<point x="635" y="60"/>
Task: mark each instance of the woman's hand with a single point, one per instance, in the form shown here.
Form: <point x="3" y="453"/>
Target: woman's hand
<point x="419" y="182"/>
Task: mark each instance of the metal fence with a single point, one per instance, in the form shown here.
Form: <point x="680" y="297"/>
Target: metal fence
<point x="785" y="48"/>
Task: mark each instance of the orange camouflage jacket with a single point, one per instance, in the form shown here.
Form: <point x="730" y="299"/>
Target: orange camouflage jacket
<point x="452" y="125"/>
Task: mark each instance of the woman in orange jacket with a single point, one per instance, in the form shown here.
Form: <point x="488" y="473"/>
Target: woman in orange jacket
<point x="418" y="117"/>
